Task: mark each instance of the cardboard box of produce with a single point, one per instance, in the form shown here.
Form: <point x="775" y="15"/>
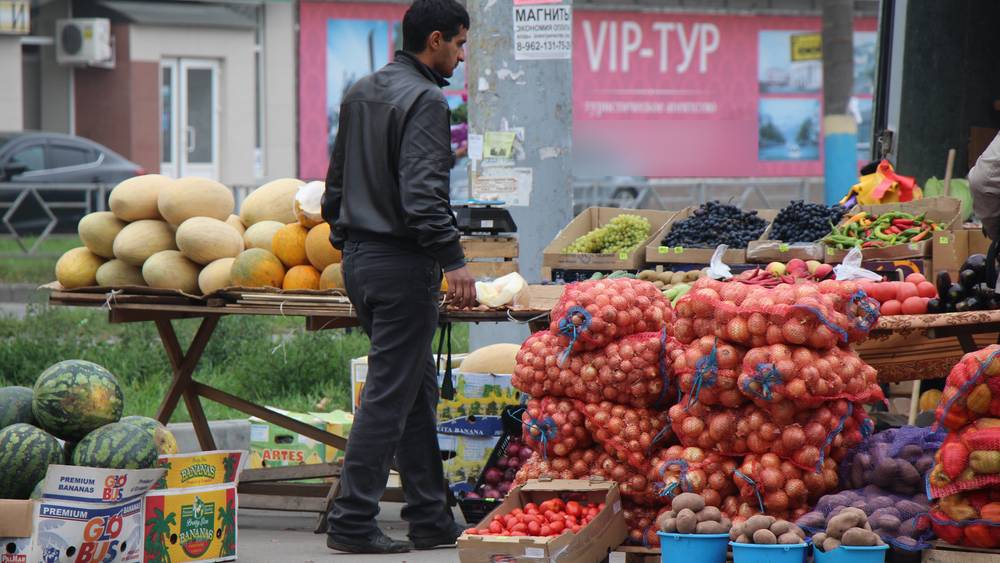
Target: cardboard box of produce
<point x="946" y="211"/>
<point x="897" y="270"/>
<point x="85" y="514"/>
<point x="589" y="220"/>
<point x="274" y="446"/>
<point x="978" y="242"/>
<point x="465" y="457"/>
<point x="17" y="521"/>
<point x="476" y="408"/>
<point x="196" y="503"/>
<point x="592" y="543"/>
<point x="656" y="253"/>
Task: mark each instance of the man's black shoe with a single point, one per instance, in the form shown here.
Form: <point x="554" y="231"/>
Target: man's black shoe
<point x="380" y="544"/>
<point x="449" y="537"/>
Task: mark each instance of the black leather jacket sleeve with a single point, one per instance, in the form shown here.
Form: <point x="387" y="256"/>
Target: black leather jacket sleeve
<point x="425" y="162"/>
<point x="335" y="188"/>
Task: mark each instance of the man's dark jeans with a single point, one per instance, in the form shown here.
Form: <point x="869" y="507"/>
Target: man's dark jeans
<point x="395" y="294"/>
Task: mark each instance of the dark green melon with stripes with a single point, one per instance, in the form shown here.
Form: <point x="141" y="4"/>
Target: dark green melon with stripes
<point x="117" y="446"/>
<point x="15" y="406"/>
<point x="166" y="443"/>
<point x="75" y="397"/>
<point x="25" y="454"/>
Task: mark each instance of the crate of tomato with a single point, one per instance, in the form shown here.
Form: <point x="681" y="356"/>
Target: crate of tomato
<point x="892" y="231"/>
<point x="549" y="520"/>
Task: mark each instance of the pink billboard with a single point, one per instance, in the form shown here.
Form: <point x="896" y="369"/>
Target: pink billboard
<point x="654" y="94"/>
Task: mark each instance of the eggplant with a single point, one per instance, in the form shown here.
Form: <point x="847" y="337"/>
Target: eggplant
<point x="956" y="292"/>
<point x="935" y="306"/>
<point x="968" y="278"/>
<point x="973" y="304"/>
<point x="983" y="292"/>
<point x="950" y="307"/>
<point x="976" y="263"/>
<point x="943" y="282"/>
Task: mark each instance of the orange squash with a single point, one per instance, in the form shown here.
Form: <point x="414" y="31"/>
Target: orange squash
<point x="289" y="245"/>
<point x="929" y="400"/>
<point x="257" y="268"/>
<point x="318" y="248"/>
<point x="332" y="278"/>
<point x="301" y="277"/>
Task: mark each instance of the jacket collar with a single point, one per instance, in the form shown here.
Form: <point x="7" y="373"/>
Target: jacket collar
<point x="428" y="72"/>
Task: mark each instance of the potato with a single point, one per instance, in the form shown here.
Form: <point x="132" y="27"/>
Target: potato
<point x="726" y="523"/>
<point x="886" y="522"/>
<point x="709" y="527"/>
<point x="759" y="522"/>
<point x="743" y="538"/>
<point x="924" y="464"/>
<point x="709" y="513"/>
<point x="668" y="525"/>
<point x="830" y="544"/>
<point x="789" y="538"/>
<point x="879" y="502"/>
<point x="910" y="452"/>
<point x="780" y="527"/>
<point x="909" y="475"/>
<point x="859" y="537"/>
<point x="764" y="537"/>
<point x="908" y="507"/>
<point x="845" y="520"/>
<point x="687" y="522"/>
<point x="691" y="501"/>
<point x="798" y="531"/>
<point x="818" y="539"/>
<point x="678" y="277"/>
<point x="662" y="520"/>
<point x="736" y="531"/>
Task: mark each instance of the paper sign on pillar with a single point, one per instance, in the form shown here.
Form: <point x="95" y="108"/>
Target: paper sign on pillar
<point x="191" y="513"/>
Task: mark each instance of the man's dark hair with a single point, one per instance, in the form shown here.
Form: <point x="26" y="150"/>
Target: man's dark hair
<point x="427" y="16"/>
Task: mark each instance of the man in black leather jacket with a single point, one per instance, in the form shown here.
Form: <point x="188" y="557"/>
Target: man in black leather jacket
<point x="387" y="202"/>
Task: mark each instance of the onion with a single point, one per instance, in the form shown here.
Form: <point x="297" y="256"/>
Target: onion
<point x="504" y="488"/>
<point x="491" y="492"/>
<point x="502" y="462"/>
<point x="493" y="476"/>
<point x="525" y="453"/>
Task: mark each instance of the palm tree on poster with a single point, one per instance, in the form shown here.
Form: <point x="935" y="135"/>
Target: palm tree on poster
<point x="156" y="538"/>
<point x="229" y="465"/>
<point x="227" y="516"/>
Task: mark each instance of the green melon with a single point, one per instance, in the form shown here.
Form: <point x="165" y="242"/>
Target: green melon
<point x="25" y="454"/>
<point x="15" y="406"/>
<point x="117" y="446"/>
<point x="166" y="443"/>
<point x="76" y="397"/>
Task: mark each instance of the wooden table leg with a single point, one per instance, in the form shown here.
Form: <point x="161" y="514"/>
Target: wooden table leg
<point x="968" y="342"/>
<point x="183" y="365"/>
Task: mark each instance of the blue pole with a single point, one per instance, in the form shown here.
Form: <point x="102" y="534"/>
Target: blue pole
<point x="840" y="156"/>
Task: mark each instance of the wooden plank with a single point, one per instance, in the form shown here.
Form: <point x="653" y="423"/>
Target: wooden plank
<point x="281" y="420"/>
<point x="289" y="473"/>
<point x="489" y="247"/>
<point x="945" y="553"/>
<point x="307" y="490"/>
<point x="289" y="504"/>
<point x="491" y="269"/>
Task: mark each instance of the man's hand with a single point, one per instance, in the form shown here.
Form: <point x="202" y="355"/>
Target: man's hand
<point x="461" y="288"/>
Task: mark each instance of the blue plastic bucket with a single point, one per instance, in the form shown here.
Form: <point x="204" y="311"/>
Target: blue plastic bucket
<point x="691" y="548"/>
<point x="759" y="553"/>
<point x="853" y="554"/>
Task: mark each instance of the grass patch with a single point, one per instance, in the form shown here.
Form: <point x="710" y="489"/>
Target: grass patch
<point x="38" y="268"/>
<point x="266" y="360"/>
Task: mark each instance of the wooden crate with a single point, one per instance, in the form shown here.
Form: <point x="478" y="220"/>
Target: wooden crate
<point x="490" y="257"/>
<point x="942" y="552"/>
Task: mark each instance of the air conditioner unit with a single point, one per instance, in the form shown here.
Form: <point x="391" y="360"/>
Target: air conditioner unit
<point x="84" y="41"/>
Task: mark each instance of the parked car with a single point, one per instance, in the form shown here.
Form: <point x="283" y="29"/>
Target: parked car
<point x="41" y="157"/>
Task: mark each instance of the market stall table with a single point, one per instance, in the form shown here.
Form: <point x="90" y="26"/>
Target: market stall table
<point x="266" y="488"/>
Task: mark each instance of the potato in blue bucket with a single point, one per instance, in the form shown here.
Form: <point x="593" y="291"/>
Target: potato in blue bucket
<point x="691" y="531"/>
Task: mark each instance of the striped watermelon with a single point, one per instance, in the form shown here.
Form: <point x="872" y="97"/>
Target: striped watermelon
<point x="76" y="397"/>
<point x="15" y="406"/>
<point x="25" y="455"/>
<point x="166" y="444"/>
<point x="117" y="446"/>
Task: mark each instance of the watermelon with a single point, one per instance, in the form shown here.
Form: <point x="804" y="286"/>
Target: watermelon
<point x="76" y="397"/>
<point x="117" y="446"/>
<point x="15" y="406"/>
<point x="25" y="454"/>
<point x="166" y="444"/>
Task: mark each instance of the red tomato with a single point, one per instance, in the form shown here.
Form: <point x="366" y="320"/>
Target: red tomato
<point x="519" y="527"/>
<point x="915" y="278"/>
<point x="573" y="508"/>
<point x="883" y="291"/>
<point x="533" y="528"/>
<point x="905" y="291"/>
<point x="557" y="527"/>
<point x="914" y="306"/>
<point x="891" y="307"/>
<point x="927" y="289"/>
<point x="530" y="506"/>
<point x="496" y="527"/>
<point x="472" y="531"/>
<point x="576" y="528"/>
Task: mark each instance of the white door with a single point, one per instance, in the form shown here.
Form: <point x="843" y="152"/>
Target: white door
<point x="189" y="122"/>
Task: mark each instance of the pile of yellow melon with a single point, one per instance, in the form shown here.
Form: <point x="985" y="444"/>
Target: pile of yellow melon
<point x="182" y="234"/>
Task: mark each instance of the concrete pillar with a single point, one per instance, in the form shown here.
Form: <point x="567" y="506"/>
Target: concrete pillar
<point x="280" y="118"/>
<point x="535" y="95"/>
<point x="11" y="103"/>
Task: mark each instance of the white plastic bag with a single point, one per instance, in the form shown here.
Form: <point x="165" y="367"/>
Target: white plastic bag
<point x="851" y="268"/>
<point x="717" y="269"/>
<point x="501" y="291"/>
